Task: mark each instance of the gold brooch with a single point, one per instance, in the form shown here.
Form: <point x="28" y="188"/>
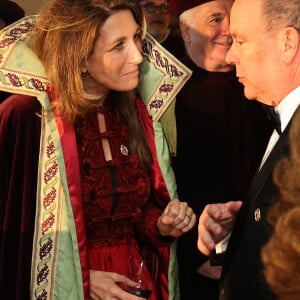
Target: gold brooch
<point x="124" y="150"/>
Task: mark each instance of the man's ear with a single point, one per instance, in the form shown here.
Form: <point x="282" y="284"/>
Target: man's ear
<point x="290" y="43"/>
<point x="185" y="32"/>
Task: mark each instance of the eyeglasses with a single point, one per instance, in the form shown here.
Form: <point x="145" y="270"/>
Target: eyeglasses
<point x="151" y="8"/>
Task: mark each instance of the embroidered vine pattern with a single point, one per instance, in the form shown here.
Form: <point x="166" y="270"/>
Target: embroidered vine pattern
<point x="47" y="220"/>
<point x="9" y="78"/>
<point x="168" y="85"/>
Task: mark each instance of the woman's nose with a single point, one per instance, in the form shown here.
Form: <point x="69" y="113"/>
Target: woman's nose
<point x="136" y="54"/>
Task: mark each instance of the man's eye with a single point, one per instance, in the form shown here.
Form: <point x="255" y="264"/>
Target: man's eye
<point x="216" y="20"/>
<point x="238" y="42"/>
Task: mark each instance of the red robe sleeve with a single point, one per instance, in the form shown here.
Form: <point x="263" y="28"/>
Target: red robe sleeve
<point x="19" y="153"/>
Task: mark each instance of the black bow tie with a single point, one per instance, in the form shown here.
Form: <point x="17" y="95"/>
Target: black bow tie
<point x="273" y="116"/>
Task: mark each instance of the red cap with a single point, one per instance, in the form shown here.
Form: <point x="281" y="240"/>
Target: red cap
<point x="177" y="7"/>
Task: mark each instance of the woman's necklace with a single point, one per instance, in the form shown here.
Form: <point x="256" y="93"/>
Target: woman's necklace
<point x="92" y="96"/>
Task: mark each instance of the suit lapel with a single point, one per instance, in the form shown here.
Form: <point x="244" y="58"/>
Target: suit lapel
<point x="280" y="148"/>
<point x="257" y="184"/>
<point x="262" y="175"/>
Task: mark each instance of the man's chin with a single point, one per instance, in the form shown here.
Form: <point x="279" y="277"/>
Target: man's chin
<point x="157" y="29"/>
<point x="250" y="95"/>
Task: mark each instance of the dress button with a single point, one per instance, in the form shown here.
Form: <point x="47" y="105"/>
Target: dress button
<point x="124" y="150"/>
<point x="257" y="215"/>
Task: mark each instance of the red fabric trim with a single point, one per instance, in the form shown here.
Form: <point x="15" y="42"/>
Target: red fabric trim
<point x="68" y="142"/>
<point x="161" y="196"/>
<point x="163" y="272"/>
<point x="161" y="192"/>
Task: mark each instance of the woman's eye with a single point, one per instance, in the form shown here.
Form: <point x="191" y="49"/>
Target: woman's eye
<point x="118" y="46"/>
<point x="137" y="36"/>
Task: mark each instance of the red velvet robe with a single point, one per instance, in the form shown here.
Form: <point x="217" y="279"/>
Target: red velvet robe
<point x="19" y="151"/>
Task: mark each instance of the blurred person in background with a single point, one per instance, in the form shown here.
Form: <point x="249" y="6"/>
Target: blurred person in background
<point x="10" y="12"/>
<point x="158" y="19"/>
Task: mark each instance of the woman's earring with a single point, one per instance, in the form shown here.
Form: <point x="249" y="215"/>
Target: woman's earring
<point x="85" y="74"/>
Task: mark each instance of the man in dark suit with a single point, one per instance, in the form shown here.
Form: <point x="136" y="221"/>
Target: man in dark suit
<point x="266" y="53"/>
<point x="220" y="136"/>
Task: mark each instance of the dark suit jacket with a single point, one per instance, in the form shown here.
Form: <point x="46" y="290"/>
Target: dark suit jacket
<point x="242" y="274"/>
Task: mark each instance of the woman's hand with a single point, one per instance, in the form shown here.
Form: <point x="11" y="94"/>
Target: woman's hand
<point x="176" y="219"/>
<point x="105" y="286"/>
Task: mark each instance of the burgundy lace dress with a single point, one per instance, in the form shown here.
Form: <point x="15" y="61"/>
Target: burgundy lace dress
<point x="116" y="195"/>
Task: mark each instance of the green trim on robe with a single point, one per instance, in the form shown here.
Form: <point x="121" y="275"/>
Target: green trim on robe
<point x="165" y="76"/>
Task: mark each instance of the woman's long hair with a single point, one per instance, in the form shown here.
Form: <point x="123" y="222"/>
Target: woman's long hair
<point x="63" y="39"/>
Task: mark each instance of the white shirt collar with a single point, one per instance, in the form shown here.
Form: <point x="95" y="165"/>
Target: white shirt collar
<point x="288" y="106"/>
<point x="286" y="110"/>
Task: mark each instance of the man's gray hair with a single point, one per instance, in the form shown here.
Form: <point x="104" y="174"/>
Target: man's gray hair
<point x="281" y="13"/>
<point x="189" y="17"/>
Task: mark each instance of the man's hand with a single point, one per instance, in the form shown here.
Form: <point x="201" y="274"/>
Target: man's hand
<point x="215" y="222"/>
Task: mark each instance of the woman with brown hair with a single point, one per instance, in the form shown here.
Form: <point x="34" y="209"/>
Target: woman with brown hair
<point x="82" y="190"/>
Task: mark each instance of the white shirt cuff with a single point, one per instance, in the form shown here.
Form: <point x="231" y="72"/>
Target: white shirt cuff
<point x="222" y="245"/>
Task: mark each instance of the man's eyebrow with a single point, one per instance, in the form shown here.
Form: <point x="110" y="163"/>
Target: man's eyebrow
<point x="215" y="15"/>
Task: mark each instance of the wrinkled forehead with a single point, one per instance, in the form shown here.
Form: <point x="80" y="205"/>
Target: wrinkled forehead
<point x="216" y="6"/>
<point x="245" y="9"/>
<point x="245" y="16"/>
<point x="210" y="9"/>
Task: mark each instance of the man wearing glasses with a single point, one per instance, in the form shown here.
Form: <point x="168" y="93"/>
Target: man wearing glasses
<point x="158" y="20"/>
